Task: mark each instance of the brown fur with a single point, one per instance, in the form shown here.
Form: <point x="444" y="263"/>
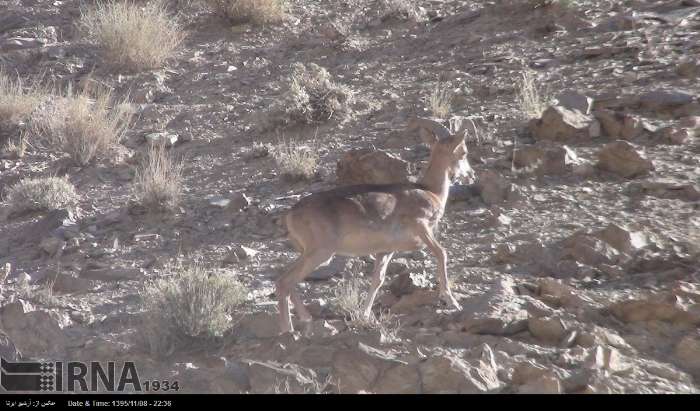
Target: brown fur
<point x="371" y="219"/>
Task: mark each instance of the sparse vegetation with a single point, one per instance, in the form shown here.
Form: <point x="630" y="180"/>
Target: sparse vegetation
<point x="294" y="161"/>
<point x="398" y="9"/>
<point x="85" y="126"/>
<point x="41" y="194"/>
<point x="17" y="101"/>
<point x="191" y="302"/>
<point x="158" y="182"/>
<point x="477" y="135"/>
<point x="531" y="99"/>
<point x="441" y="101"/>
<point x="132" y="36"/>
<point x="250" y="11"/>
<point x="42" y="295"/>
<point x="312" y="97"/>
<point x="16" y="146"/>
<point x="350" y="299"/>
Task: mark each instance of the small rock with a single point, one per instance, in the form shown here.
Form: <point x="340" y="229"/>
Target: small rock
<point x="687" y="352"/>
<point x="452" y="375"/>
<point x="622" y="158"/>
<point x="337" y="266"/>
<point x="673" y="135"/>
<point x="258" y="325"/>
<point x="52" y="245"/>
<point x="245" y="253"/>
<point x="667" y="189"/>
<point x="546" y="384"/>
<point x="163" y="137"/>
<point x="400" y="379"/>
<point x="588" y="250"/>
<point x="239" y="201"/>
<point x="548" y="329"/>
<point x="356" y="369"/>
<point x="493" y="188"/>
<point x="662" y="100"/>
<point x="549" y="161"/>
<point x="688" y="68"/>
<point x="67" y="284"/>
<point x="658" y="309"/>
<point x="409" y="302"/>
<point x="623" y="239"/>
<point x="573" y="100"/>
<point x="218" y="201"/>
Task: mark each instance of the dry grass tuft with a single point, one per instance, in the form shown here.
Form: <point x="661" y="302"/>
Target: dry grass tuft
<point x="440" y="102"/>
<point x="295" y="161"/>
<point x="158" y="182"/>
<point x="132" y="36"/>
<point x="189" y="303"/>
<point x="350" y="298"/>
<point x="85" y="126"/>
<point x="17" y="101"/>
<point x="401" y="10"/>
<point x="312" y="97"/>
<point x="532" y="99"/>
<point x="41" y="194"/>
<point x="257" y="12"/>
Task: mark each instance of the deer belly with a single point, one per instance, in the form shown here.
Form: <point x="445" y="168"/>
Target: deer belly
<point x="367" y="242"/>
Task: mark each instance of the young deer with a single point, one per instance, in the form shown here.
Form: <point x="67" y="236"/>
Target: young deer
<point x="374" y="219"/>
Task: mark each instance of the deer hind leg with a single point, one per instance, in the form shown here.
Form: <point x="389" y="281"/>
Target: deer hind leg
<point x="378" y="274"/>
<point x="426" y="234"/>
<point x="306" y="263"/>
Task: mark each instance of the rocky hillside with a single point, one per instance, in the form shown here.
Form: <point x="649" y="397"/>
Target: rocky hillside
<point x="575" y="255"/>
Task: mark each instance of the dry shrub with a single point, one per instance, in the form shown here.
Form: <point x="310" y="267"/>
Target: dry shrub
<point x="250" y="11"/>
<point x="85" y="126"/>
<point x="17" y="101"/>
<point x="440" y="101"/>
<point x="189" y="303"/>
<point x="531" y="98"/>
<point x="295" y="161"/>
<point x="312" y="97"/>
<point x="158" y="182"/>
<point x="401" y="10"/>
<point x="350" y="298"/>
<point x="132" y="36"/>
<point x="41" y="194"/>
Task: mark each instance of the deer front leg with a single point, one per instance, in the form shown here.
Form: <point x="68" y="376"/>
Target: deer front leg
<point x="286" y="283"/>
<point x="378" y="274"/>
<point x="426" y="234"/>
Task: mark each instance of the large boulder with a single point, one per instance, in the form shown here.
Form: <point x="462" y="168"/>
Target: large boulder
<point x="562" y="124"/>
<point x="35" y="333"/>
<point x="545" y="160"/>
<point x="367" y="166"/>
<point x="618" y="125"/>
<point x="623" y="159"/>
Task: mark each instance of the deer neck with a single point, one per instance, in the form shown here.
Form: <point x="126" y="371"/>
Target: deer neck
<point x="436" y="179"/>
